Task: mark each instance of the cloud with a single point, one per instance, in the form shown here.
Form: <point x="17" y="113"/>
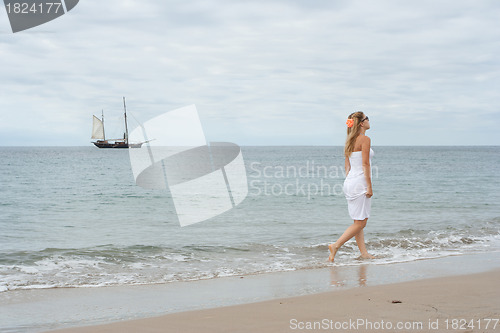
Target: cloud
<point x="260" y="72"/>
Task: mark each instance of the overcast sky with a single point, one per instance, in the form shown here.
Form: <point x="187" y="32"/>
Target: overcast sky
<point x="271" y="72"/>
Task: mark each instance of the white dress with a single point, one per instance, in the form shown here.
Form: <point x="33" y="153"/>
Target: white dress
<point x="355" y="188"/>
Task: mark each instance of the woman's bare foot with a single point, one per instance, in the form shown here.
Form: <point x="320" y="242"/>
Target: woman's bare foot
<point x="333" y="251"/>
<point x="367" y="256"/>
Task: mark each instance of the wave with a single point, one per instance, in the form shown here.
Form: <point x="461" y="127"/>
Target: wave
<point x="108" y="265"/>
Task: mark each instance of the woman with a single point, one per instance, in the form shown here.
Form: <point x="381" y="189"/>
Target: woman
<point x="358" y="183"/>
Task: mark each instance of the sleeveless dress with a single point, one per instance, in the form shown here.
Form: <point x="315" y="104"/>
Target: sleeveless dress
<point x="355" y="188"/>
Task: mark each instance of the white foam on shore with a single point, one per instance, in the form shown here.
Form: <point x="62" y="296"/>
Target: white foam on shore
<point x="139" y="265"/>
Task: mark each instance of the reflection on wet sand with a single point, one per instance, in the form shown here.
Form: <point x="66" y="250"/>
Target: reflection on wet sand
<point x="340" y="277"/>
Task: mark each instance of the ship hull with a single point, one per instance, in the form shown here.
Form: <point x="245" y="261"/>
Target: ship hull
<point x="117" y="145"/>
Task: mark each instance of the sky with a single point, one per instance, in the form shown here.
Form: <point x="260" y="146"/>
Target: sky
<point x="273" y="72"/>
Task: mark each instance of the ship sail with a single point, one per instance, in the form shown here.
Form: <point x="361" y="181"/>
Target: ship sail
<point x="97" y="129"/>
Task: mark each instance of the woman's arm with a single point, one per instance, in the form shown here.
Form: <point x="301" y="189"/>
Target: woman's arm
<point x="365" y="153"/>
<point x="347" y="166"/>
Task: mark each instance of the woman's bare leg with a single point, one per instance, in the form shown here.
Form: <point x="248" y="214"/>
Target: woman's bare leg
<point x="350" y="232"/>
<point x="360" y="240"/>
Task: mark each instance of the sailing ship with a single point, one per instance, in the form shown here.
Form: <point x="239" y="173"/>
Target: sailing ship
<point x="102" y="142"/>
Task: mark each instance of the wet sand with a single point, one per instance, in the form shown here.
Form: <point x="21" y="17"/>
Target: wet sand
<point x="468" y="303"/>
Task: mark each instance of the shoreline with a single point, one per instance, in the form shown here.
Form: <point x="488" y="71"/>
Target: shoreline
<point x="442" y="304"/>
<point x="48" y="309"/>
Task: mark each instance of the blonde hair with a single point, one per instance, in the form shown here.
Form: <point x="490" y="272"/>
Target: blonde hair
<point x="353" y="132"/>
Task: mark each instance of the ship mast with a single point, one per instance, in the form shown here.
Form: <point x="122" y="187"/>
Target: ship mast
<point x="102" y="119"/>
<point x="126" y="128"/>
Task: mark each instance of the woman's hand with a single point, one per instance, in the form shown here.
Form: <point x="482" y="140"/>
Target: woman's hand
<point x="369" y="192"/>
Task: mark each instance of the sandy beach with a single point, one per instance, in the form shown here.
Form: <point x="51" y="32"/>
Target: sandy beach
<point x="469" y="303"/>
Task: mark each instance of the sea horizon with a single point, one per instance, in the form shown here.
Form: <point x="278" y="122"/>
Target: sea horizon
<point x="254" y="145"/>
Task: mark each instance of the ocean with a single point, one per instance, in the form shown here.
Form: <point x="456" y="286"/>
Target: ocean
<point x="74" y="217"/>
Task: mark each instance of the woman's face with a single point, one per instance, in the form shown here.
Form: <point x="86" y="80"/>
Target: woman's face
<point x="366" y="122"/>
